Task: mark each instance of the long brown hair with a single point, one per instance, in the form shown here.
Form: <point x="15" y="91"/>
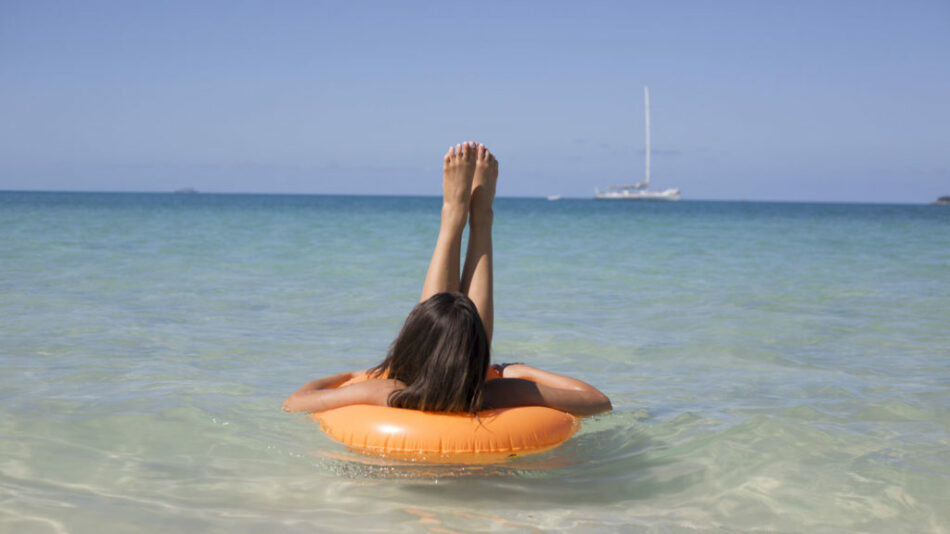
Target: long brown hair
<point x="441" y="355"/>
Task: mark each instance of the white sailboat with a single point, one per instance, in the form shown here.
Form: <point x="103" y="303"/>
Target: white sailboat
<point x="639" y="190"/>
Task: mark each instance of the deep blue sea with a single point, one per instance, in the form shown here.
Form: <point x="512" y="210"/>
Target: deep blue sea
<point x="773" y="366"/>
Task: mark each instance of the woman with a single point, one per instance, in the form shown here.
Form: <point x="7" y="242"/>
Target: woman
<point x="440" y="359"/>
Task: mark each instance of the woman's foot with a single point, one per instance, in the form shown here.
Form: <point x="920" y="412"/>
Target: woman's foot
<point x="483" y="184"/>
<point x="458" y="171"/>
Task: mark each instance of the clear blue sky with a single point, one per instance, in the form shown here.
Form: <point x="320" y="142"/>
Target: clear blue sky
<point x="751" y="100"/>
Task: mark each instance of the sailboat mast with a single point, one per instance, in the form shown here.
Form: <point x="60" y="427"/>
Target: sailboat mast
<point x="646" y="105"/>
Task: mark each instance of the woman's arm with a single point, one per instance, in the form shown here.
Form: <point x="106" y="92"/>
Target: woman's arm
<point x="523" y="385"/>
<point x="325" y="393"/>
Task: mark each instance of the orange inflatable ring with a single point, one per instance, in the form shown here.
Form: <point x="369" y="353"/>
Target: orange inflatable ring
<point x="442" y="437"/>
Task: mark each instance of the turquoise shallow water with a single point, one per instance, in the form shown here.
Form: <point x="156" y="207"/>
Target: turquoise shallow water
<point x="773" y="367"/>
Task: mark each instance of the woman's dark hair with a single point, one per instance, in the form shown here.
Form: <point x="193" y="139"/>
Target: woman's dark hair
<point x="441" y="355"/>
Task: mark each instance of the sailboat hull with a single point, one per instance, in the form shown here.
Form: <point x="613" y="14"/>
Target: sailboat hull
<point x="642" y="194"/>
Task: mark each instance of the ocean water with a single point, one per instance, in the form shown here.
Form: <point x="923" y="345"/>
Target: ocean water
<point x="773" y="366"/>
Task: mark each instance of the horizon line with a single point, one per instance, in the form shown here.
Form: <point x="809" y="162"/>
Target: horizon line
<point x="415" y="195"/>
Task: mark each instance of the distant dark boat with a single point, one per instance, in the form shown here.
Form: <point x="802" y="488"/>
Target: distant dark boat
<point x="186" y="191"/>
<point x="943" y="201"/>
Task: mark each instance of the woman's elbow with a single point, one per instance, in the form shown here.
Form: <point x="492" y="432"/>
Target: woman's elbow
<point x="598" y="403"/>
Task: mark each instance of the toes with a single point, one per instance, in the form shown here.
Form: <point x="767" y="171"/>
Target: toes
<point x="467" y="151"/>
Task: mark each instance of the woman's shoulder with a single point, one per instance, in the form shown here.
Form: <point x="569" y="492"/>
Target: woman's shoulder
<point x="371" y="390"/>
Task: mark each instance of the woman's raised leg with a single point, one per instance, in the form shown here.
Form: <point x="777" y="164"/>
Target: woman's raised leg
<point x="477" y="280"/>
<point x="457" y="172"/>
